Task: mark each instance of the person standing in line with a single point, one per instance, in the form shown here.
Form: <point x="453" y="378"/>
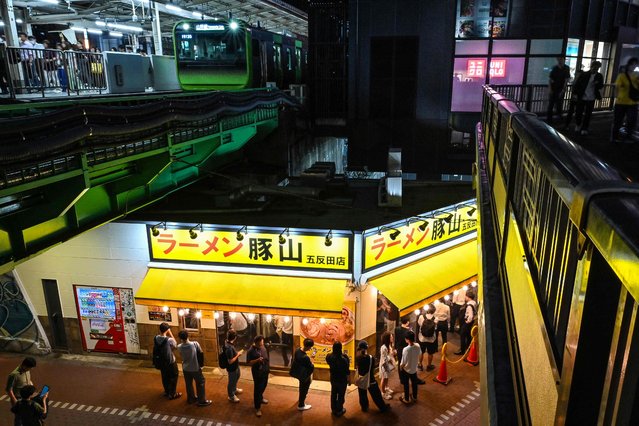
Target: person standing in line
<point x="304" y="368"/>
<point x="19" y="378"/>
<point x="625" y="106"/>
<point x="587" y="89"/>
<point x="257" y="358"/>
<point x="192" y="370"/>
<point x="234" y="366"/>
<point x="442" y="315"/>
<point x="386" y="364"/>
<point x="408" y="367"/>
<point x="400" y="333"/>
<point x="339" y="365"/>
<point x="366" y="365"/>
<point x="470" y="312"/>
<point x="559" y="76"/>
<point x="427" y="343"/>
<point x="169" y="371"/>
<point x="459" y="300"/>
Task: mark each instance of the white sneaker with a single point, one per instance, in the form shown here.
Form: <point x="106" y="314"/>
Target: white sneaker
<point x="264" y="401"/>
<point x="389" y="390"/>
<point x="388" y="396"/>
<point x="304" y="408"/>
<point x="234" y="399"/>
<point x="258" y="413"/>
<point x="238" y="391"/>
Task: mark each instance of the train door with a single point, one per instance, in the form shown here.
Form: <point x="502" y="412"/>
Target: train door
<point x="258" y="69"/>
<point x="277" y="61"/>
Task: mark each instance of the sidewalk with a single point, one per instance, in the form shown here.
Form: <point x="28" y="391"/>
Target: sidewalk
<point x="107" y="390"/>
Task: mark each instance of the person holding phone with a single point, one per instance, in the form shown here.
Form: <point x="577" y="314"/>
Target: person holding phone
<point x="234" y="366"/>
<point x="31" y="408"/>
<point x="257" y="357"/>
<point x="192" y="370"/>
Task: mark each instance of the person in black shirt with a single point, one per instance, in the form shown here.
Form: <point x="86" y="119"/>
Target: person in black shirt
<point x="366" y="364"/>
<point x="303" y="364"/>
<point x="559" y="76"/>
<point x="338" y="363"/>
<point x="400" y="337"/>
<point x="257" y="358"/>
<point x="234" y="366"/>
<point x="30" y="409"/>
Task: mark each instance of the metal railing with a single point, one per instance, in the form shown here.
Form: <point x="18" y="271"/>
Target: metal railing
<point x="534" y="97"/>
<point x="566" y="310"/>
<point x="30" y="70"/>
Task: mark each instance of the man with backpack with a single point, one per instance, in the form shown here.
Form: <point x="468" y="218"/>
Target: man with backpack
<point x="470" y="314"/>
<point x="427" y="338"/>
<point x="302" y="369"/>
<point x="164" y="360"/>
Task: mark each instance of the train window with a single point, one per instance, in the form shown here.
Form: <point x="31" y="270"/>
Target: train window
<point x="298" y="58"/>
<point x="289" y="59"/>
<point x="215" y="48"/>
<point x="277" y="57"/>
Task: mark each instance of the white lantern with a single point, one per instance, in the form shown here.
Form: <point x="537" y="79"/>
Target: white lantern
<point x="165" y="308"/>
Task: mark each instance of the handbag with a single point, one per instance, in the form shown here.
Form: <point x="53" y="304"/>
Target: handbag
<point x="363" y="382"/>
<point x="200" y="356"/>
<point x="388" y="366"/>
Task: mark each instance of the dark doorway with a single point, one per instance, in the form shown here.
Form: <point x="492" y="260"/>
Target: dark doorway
<point x="56" y="321"/>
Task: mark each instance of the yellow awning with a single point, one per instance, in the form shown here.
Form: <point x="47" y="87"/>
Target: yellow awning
<point x="221" y="291"/>
<point x="411" y="285"/>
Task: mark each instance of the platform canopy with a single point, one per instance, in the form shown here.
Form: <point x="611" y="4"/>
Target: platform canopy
<point x="412" y="285"/>
<point x="260" y="294"/>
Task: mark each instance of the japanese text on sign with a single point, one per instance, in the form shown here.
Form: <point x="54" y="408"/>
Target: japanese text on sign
<point x="256" y="249"/>
<point x="380" y="248"/>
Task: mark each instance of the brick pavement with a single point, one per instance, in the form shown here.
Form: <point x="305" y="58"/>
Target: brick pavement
<point x="96" y="390"/>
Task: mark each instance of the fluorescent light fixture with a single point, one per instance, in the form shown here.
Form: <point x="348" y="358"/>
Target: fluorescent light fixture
<point x="124" y="27"/>
<point x="115" y="33"/>
<point x="100" y="23"/>
<point x="94" y="31"/>
<point x="18" y="21"/>
<point x="1" y="24"/>
<point x="50" y="1"/>
<point x="197" y="14"/>
<point x="174" y="8"/>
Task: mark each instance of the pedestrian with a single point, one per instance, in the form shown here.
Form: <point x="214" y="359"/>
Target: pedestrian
<point x="233" y="369"/>
<point x="302" y="369"/>
<point x="166" y="344"/>
<point x="408" y="367"/>
<point x="31" y="408"/>
<point x="470" y="313"/>
<point x="442" y="316"/>
<point x="400" y="333"/>
<point x="427" y="338"/>
<point x="459" y="300"/>
<point x="257" y="357"/>
<point x="587" y="89"/>
<point x="386" y="364"/>
<point x="19" y="378"/>
<point x="559" y="76"/>
<point x="192" y="370"/>
<point x="339" y="368"/>
<point x="625" y="105"/>
<point x="366" y="379"/>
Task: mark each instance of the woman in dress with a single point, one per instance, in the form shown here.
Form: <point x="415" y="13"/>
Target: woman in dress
<point x="385" y="360"/>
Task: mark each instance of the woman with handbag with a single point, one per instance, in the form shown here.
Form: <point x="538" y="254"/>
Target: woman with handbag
<point x="366" y="379"/>
<point x="386" y="364"/>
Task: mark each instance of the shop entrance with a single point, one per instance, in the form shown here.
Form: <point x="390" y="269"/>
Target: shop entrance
<point x="276" y="329"/>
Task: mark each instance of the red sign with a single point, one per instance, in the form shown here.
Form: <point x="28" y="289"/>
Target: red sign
<point x="477" y="68"/>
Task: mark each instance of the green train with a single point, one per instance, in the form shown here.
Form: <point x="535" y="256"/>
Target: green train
<point x="230" y="55"/>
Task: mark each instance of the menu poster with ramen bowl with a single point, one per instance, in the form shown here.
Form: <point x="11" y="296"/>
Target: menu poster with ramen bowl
<point x="325" y="332"/>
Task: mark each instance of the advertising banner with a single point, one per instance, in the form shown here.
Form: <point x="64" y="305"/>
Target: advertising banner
<point x="325" y="332"/>
<point x="297" y="250"/>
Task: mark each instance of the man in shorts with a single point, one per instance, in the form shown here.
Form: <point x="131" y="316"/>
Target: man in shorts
<point x="427" y="344"/>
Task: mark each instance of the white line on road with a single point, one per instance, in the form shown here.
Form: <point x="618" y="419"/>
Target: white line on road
<point x="64" y="405"/>
<point x="460" y="405"/>
<point x="80" y="407"/>
<point x="72" y="406"/>
<point x="450" y="413"/>
<point x="444" y="416"/>
<point x="465" y="401"/>
<point x="56" y="404"/>
<point x="439" y="421"/>
<point x="455" y="408"/>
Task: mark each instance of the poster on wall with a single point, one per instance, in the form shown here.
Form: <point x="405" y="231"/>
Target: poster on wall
<point x="325" y="332"/>
<point x="482" y="18"/>
<point x="156" y="313"/>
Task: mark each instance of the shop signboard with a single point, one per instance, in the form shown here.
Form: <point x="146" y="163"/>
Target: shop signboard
<point x="477" y="68"/>
<point x="325" y="332"/>
<point x="156" y="313"/>
<point x="405" y="238"/>
<point x="292" y="249"/>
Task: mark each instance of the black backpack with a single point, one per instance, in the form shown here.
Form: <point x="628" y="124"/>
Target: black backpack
<point x="633" y="92"/>
<point x="161" y="354"/>
<point x="222" y="359"/>
<point x="428" y="328"/>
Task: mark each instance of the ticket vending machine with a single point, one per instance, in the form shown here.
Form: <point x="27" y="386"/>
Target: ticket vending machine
<point x="107" y="319"/>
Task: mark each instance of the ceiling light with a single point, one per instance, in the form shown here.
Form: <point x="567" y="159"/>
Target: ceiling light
<point x="186" y="26"/>
<point x="100" y="23"/>
<point x="282" y="238"/>
<point x="124" y="27"/>
<point x="165" y="308"/>
<point x="328" y="241"/>
<point x="269" y="318"/>
<point x="115" y="33"/>
<point x="18" y="21"/>
<point x="94" y="31"/>
<point x="197" y="14"/>
<point x="198" y="314"/>
<point x="216" y="315"/>
<point x="238" y="235"/>
<point x="234" y="25"/>
<point x="181" y="312"/>
<point x="174" y="8"/>
<point x="50" y="1"/>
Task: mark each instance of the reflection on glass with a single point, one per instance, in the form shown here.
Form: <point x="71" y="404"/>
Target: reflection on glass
<point x="588" y="48"/>
<point x="572" y="48"/>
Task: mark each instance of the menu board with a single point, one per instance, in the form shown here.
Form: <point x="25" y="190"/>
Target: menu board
<point x="482" y="18"/>
<point x="96" y="303"/>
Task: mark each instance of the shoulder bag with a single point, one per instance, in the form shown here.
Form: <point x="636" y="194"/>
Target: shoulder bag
<point x="363" y="382"/>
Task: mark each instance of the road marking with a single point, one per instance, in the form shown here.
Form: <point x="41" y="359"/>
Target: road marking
<point x="183" y="419"/>
<point x="455" y="408"/>
<point x="56" y="403"/>
<point x="465" y="401"/>
<point x="450" y="413"/>
<point x="200" y="423"/>
<point x="156" y="416"/>
<point x="164" y="418"/>
<point x="439" y="421"/>
<point x="121" y="411"/>
<point x="115" y="410"/>
<point x="475" y="393"/>
<point x="146" y="415"/>
<point x="72" y="406"/>
<point x="470" y="396"/>
<point x="3" y="397"/>
<point x="80" y="407"/>
<point x="444" y="416"/>
<point x="460" y="405"/>
<point x="89" y="408"/>
<point x="132" y="413"/>
<point x="97" y="409"/>
<point x="191" y="421"/>
<point x="173" y="419"/>
<point x="64" y="405"/>
<point x="105" y="410"/>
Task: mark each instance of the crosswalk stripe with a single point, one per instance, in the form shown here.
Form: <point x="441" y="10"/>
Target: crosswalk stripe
<point x="3" y="397"/>
<point x="450" y="413"/>
<point x="131" y="413"/>
<point x="97" y="409"/>
<point x="164" y="418"/>
<point x="56" y="404"/>
<point x="72" y="406"/>
<point x="200" y="423"/>
<point x="191" y="421"/>
<point x="121" y="412"/>
<point x="460" y="405"/>
<point x="89" y="408"/>
<point x="173" y="419"/>
<point x="146" y="415"/>
<point x="470" y="396"/>
<point x="439" y="421"/>
<point x="115" y="410"/>
<point x="475" y="393"/>
<point x="465" y="401"/>
<point x="183" y="419"/>
<point x="80" y="407"/>
<point x="444" y="416"/>
<point x="106" y="410"/>
<point x="64" y="405"/>
<point x="455" y="408"/>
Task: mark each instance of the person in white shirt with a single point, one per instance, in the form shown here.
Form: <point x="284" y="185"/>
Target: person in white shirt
<point x="386" y="363"/>
<point x="427" y="343"/>
<point x="468" y="320"/>
<point x="586" y="89"/>
<point x="442" y="315"/>
<point x="459" y="300"/>
<point x="408" y="367"/>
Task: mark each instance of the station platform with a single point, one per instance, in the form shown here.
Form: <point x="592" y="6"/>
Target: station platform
<point x="110" y="390"/>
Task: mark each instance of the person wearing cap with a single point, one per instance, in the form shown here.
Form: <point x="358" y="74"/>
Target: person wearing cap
<point x="586" y="90"/>
<point x="339" y="365"/>
<point x="366" y="365"/>
<point x="304" y="368"/>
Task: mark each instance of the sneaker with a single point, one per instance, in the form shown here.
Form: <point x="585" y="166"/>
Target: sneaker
<point x="176" y="395"/>
<point x="234" y="399"/>
<point x="420" y="382"/>
<point x="258" y="413"/>
<point x="264" y="401"/>
<point x="420" y="367"/>
<point x="205" y="403"/>
<point x="238" y="391"/>
<point x="389" y="390"/>
<point x="405" y="401"/>
<point x="305" y="407"/>
<point x="430" y="367"/>
<point x="388" y="396"/>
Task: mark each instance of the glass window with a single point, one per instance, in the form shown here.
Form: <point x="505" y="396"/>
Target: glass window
<point x="588" y="48"/>
<point x="509" y="47"/>
<point x="190" y="318"/>
<point x="469" y="76"/>
<point x="546" y="47"/>
<point x="539" y="70"/>
<point x="572" y="48"/>
<point x="471" y="47"/>
<point x="506" y="70"/>
<point x="603" y="50"/>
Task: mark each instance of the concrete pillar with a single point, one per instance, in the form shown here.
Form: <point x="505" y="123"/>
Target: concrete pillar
<point x="9" y="19"/>
<point x="157" y="30"/>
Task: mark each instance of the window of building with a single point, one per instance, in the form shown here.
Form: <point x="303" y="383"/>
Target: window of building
<point x="509" y="47"/>
<point x="469" y="75"/>
<point x="482" y="18"/>
<point x="190" y="318"/>
<point x="546" y="47"/>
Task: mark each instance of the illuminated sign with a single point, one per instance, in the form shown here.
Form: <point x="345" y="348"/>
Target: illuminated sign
<point x="477" y="68"/>
<point x="256" y="249"/>
<point x="209" y="27"/>
<point x="187" y="36"/>
<point x="390" y="243"/>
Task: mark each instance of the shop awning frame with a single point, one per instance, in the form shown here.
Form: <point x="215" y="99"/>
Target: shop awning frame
<point x="223" y="291"/>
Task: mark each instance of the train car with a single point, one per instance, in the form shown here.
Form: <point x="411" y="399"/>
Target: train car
<point x="230" y="55"/>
